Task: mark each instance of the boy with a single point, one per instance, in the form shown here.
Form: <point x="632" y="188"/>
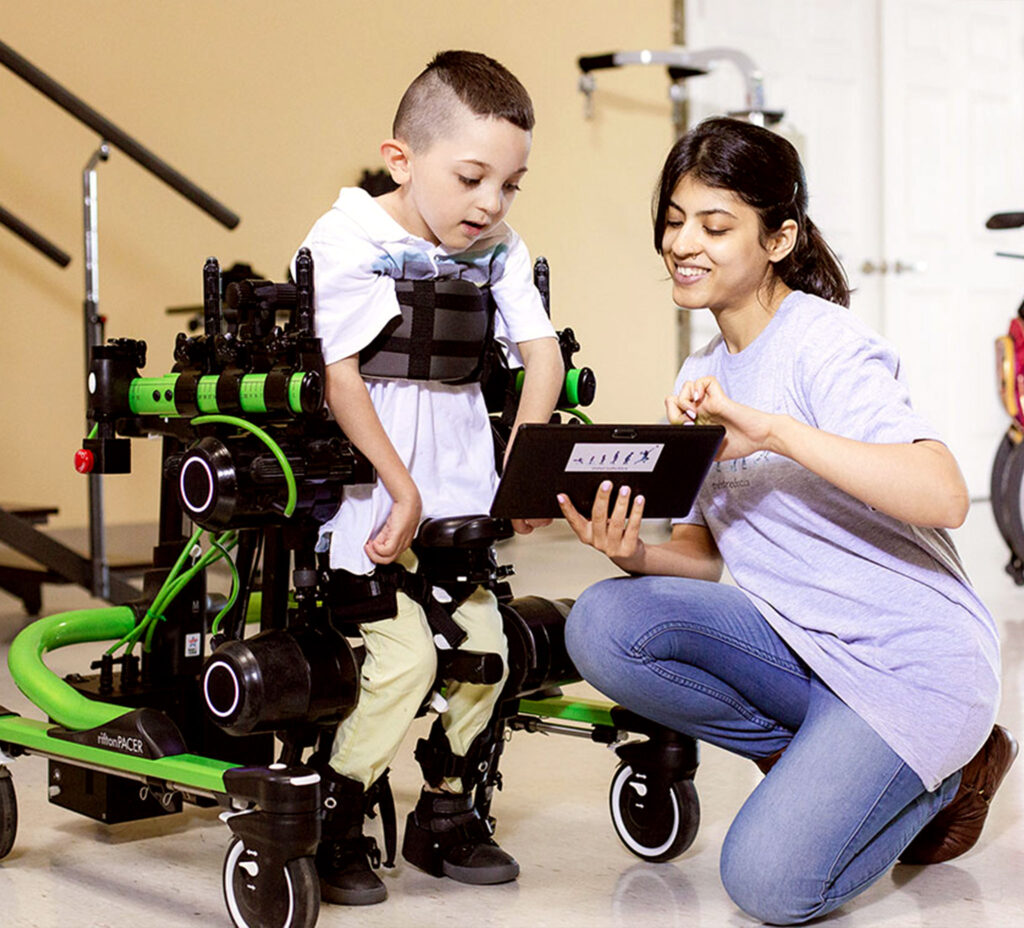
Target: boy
<point x="461" y="142"/>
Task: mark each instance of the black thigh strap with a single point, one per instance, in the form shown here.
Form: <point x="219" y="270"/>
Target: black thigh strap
<point x="371" y="598"/>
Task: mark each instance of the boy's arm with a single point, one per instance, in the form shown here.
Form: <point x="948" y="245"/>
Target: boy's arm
<point x="544" y="375"/>
<point x="353" y="410"/>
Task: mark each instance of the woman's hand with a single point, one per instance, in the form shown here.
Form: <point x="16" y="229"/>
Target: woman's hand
<point x="704" y="402"/>
<point x="917" y="482"/>
<point x="612" y="529"/>
<point x="399" y="530"/>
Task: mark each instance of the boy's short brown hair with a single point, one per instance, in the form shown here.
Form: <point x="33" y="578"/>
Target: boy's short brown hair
<point x="483" y="85"/>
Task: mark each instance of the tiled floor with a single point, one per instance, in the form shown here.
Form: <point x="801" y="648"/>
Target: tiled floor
<point x="552" y="815"/>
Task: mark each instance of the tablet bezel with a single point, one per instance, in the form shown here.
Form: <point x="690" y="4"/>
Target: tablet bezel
<point x="536" y="468"/>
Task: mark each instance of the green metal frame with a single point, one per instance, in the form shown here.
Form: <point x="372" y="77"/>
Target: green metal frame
<point x="155" y="396"/>
<point x="190" y="771"/>
<point x="566" y="709"/>
<point x="71" y="710"/>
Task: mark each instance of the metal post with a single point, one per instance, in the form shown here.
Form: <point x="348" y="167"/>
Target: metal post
<point x="94" y="337"/>
<point x="680" y="123"/>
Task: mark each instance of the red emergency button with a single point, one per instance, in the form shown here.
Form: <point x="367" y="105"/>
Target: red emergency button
<point x="84" y="461"/>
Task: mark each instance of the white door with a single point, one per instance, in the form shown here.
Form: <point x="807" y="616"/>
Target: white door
<point x="953" y="130"/>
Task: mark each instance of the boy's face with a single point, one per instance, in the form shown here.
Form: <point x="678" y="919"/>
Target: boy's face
<point x="463" y="183"/>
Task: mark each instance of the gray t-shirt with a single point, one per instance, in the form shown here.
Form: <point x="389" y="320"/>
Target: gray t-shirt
<point x="881" y="610"/>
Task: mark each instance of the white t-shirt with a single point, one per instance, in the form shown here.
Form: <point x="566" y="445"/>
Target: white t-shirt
<point x="881" y="611"/>
<point x="441" y="432"/>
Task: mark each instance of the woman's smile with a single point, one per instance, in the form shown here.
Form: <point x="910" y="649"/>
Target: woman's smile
<point x="686" y="274"/>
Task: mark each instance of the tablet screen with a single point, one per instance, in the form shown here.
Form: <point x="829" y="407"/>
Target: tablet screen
<point x="665" y="463"/>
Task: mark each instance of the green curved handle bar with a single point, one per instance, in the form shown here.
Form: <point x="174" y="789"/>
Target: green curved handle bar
<point x="59" y="700"/>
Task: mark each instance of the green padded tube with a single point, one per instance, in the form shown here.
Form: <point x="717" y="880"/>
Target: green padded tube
<point x="60" y="701"/>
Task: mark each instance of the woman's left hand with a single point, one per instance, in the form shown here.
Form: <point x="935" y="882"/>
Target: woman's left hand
<point x="613" y="528"/>
<point x="704" y="402"/>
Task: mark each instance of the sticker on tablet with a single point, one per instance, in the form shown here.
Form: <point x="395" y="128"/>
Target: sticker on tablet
<point x="619" y="457"/>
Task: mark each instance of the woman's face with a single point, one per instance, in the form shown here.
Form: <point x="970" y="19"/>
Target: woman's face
<point x="712" y="248"/>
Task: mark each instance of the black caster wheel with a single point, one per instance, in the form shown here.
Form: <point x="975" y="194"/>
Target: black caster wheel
<point x="260" y="896"/>
<point x="8" y="812"/>
<point x="654" y="823"/>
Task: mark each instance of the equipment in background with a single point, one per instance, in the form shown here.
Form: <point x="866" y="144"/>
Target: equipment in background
<point x="252" y="458"/>
<point x="62" y="563"/>
<point x="37" y="240"/>
<point x="1007" y="482"/>
<point x="682" y="64"/>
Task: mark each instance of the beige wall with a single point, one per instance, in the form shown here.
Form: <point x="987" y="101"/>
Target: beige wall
<point x="271" y="107"/>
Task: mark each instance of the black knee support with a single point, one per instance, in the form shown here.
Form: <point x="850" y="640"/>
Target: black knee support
<point x="370" y="598"/>
<point x="438" y="761"/>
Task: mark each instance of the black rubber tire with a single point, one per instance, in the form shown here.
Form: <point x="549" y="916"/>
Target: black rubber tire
<point x="284" y="898"/>
<point x="656" y="826"/>
<point x="8" y="812"/>
<point x="998" y="493"/>
<point x="1013" y="499"/>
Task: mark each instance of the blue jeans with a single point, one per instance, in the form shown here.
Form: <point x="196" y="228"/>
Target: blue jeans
<point x="698" y="657"/>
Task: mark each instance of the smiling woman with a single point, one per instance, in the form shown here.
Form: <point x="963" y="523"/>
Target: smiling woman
<point x="829" y="506"/>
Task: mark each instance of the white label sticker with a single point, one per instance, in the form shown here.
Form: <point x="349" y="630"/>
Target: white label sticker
<point x="192" y="645"/>
<point x="619" y="457"/>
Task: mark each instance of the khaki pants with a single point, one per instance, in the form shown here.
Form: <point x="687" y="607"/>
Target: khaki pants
<point x="399" y="669"/>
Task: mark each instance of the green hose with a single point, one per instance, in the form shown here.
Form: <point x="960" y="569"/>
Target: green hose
<point x="275" y="449"/>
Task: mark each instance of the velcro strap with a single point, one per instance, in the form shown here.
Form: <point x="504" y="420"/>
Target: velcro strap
<point x="371" y="598"/>
<point x="439" y="763"/>
<point x="380" y="796"/>
<point x="362" y="598"/>
<point x="439" y="618"/>
<point x="421" y="337"/>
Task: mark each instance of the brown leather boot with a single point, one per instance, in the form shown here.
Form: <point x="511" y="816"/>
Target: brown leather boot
<point x="764" y="764"/>
<point x="957" y="827"/>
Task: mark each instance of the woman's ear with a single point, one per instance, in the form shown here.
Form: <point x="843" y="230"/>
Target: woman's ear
<point x="782" y="241"/>
<point x="397" y="156"/>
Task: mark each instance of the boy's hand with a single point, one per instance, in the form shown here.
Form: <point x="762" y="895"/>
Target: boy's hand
<point x="399" y="530"/>
<point x="525" y="526"/>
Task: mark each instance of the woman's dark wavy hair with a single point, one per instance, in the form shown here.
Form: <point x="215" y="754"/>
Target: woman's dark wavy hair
<point x="764" y="171"/>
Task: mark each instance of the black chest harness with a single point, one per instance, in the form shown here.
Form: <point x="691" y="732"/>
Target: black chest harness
<point x="443" y="333"/>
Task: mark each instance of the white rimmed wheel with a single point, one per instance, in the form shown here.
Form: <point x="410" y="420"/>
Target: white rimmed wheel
<point x="8" y="812"/>
<point x="261" y="896"/>
<point x="655" y="823"/>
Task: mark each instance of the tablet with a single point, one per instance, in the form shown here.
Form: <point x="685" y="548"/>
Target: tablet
<point x="665" y="463"/>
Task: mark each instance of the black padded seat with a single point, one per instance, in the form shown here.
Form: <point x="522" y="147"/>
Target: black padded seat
<point x="475" y="531"/>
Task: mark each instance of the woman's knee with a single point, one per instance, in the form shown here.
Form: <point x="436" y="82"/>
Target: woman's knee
<point x="762" y="879"/>
<point x="588" y="627"/>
